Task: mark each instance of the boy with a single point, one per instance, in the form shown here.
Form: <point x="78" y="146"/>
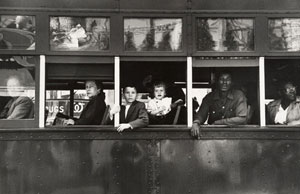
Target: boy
<point x="133" y="114"/>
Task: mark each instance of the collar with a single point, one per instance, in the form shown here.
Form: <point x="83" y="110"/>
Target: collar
<point x="278" y="102"/>
<point x="217" y="94"/>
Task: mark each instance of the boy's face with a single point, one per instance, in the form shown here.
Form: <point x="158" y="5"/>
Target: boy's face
<point x="130" y="94"/>
<point x="159" y="92"/>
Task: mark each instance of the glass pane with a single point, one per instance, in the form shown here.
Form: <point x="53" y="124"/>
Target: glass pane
<point x="153" y="34"/>
<point x="218" y="34"/>
<point x="17" y="87"/>
<point x="284" y="34"/>
<point x="17" y="32"/>
<point x="79" y="33"/>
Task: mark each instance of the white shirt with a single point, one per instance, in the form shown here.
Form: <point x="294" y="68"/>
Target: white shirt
<point x="126" y="109"/>
<point x="155" y="104"/>
<point x="280" y="117"/>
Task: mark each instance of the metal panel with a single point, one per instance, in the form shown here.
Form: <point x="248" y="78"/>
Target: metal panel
<point x="59" y="167"/>
<point x="88" y="4"/>
<point x="154" y="4"/>
<point x="230" y="166"/>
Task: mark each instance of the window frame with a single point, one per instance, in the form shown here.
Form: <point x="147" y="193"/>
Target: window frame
<point x="29" y="123"/>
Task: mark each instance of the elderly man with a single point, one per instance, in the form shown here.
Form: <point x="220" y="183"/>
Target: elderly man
<point x="285" y="110"/>
<point x="19" y="106"/>
<point x="224" y="106"/>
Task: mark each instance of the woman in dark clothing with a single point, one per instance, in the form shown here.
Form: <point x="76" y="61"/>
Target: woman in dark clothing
<point x="93" y="112"/>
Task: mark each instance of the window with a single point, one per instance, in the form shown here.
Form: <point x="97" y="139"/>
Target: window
<point x="81" y="92"/>
<point x="17" y="32"/>
<point x="241" y="94"/>
<point x="161" y="85"/>
<point x="284" y="34"/>
<point x="17" y="87"/>
<point x="282" y="80"/>
<point x="153" y="34"/>
<point x="230" y="34"/>
<point x="79" y="33"/>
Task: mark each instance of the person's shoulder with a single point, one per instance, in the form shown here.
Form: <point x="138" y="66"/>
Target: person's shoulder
<point x="274" y="103"/>
<point x="237" y="92"/>
<point x="139" y="104"/>
<point x="24" y="99"/>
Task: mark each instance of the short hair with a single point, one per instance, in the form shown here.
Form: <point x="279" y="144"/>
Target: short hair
<point x="223" y="72"/>
<point x="129" y="86"/>
<point x="160" y="84"/>
<point x="98" y="83"/>
<point x="282" y="84"/>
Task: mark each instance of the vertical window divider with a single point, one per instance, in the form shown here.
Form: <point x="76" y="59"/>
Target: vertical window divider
<point x="117" y="88"/>
<point x="262" y="91"/>
<point x="42" y="85"/>
<point x="189" y="92"/>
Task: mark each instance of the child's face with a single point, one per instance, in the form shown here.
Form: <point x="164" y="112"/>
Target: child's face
<point x="159" y="92"/>
<point x="130" y="94"/>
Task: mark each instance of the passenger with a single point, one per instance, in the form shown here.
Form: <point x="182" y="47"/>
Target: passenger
<point x="19" y="106"/>
<point x="160" y="105"/>
<point x="224" y="106"/>
<point x="133" y="114"/>
<point x="286" y="110"/>
<point x="93" y="112"/>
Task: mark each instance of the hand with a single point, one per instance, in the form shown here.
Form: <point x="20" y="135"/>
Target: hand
<point x="114" y="109"/>
<point x="123" y="126"/>
<point x="69" y="122"/>
<point x="195" y="131"/>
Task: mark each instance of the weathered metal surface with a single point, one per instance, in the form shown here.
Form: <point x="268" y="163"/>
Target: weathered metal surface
<point x="73" y="166"/>
<point x="230" y="167"/>
<point x="230" y="162"/>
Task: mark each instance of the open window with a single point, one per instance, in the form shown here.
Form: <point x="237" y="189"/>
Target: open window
<point x="282" y="101"/>
<point x="67" y="96"/>
<point x="242" y="99"/>
<point x="162" y="83"/>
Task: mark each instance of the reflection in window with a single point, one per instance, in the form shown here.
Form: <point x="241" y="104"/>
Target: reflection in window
<point x="17" y="87"/>
<point x="217" y="34"/>
<point x="284" y="34"/>
<point x="153" y="34"/>
<point x="17" y="32"/>
<point x="79" y="33"/>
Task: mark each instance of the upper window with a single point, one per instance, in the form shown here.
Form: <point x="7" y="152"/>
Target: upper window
<point x="149" y="34"/>
<point x="79" y="33"/>
<point x="17" y="87"/>
<point x="17" y="32"/>
<point x="284" y="34"/>
<point x="230" y="34"/>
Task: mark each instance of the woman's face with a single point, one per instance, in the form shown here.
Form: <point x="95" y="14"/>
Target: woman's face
<point x="91" y="89"/>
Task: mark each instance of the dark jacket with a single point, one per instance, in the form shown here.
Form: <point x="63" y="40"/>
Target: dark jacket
<point x="93" y="112"/>
<point x="232" y="110"/>
<point x="293" y="112"/>
<point x="20" y="107"/>
<point x="137" y="115"/>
